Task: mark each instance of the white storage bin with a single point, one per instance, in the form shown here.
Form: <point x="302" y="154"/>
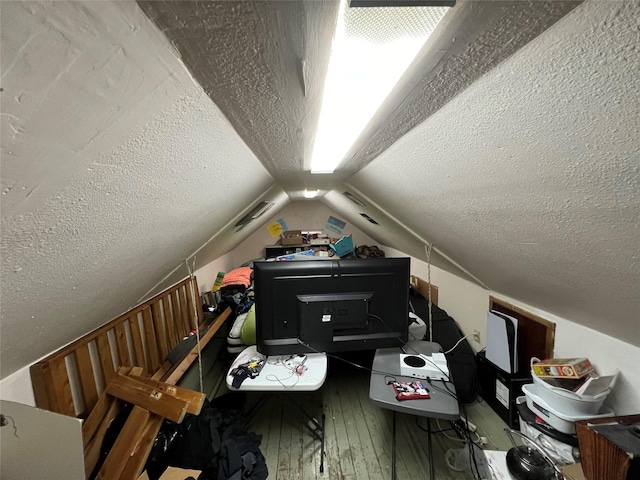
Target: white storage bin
<point x="561" y="422"/>
<point x="568" y="402"/>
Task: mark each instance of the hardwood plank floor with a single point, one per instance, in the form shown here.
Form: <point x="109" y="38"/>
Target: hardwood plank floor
<point x="358" y="435"/>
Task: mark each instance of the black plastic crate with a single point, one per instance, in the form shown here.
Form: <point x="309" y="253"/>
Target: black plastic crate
<point x="500" y="389"/>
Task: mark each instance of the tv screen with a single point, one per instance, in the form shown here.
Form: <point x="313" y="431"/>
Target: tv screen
<point x="331" y="305"/>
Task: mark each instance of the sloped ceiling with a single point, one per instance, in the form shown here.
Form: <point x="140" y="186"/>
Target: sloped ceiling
<point x="116" y="167"/>
<point x="135" y="135"/>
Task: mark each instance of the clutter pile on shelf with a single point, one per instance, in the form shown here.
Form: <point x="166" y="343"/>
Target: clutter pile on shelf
<point x="564" y="391"/>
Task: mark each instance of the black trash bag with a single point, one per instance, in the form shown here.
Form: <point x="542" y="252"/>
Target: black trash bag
<point x="200" y="440"/>
<point x="111" y="436"/>
<point x="158" y="459"/>
<point x="240" y="456"/>
<point x="191" y="444"/>
<point x="195" y="443"/>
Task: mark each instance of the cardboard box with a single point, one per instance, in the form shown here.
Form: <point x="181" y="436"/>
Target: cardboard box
<point x="173" y="473"/>
<point x="562" y="367"/>
<point x="292" y="237"/>
<point x="609" y="447"/>
<point x="320" y="241"/>
<point x="573" y="471"/>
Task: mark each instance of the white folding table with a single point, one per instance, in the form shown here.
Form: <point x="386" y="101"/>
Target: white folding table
<point x="277" y="376"/>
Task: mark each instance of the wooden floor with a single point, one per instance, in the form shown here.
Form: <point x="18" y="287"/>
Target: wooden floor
<point x="358" y="434"/>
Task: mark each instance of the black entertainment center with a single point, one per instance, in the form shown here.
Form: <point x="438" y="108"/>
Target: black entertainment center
<point x="331" y="305"/>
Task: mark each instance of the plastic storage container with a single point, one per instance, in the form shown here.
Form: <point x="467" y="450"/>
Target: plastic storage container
<point x="568" y="402"/>
<point x="562" y="422"/>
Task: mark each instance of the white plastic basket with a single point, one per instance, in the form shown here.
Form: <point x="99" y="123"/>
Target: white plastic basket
<point x="568" y="402"/>
<point x="558" y="420"/>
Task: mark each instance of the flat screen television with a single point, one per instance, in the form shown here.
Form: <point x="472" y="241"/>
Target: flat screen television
<point x="331" y="305"/>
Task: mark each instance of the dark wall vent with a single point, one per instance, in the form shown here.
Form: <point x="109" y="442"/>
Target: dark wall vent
<point x="369" y="218"/>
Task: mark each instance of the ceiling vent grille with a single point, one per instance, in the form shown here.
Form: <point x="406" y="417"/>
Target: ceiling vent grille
<point x="258" y="210"/>
<point x="355" y="200"/>
<point x="364" y="215"/>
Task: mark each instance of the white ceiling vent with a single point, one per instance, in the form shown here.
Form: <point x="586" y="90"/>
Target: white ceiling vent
<point x="355" y="200"/>
<point x="258" y="210"/>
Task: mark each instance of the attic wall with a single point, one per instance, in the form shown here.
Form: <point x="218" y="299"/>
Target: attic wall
<point x="224" y="240"/>
<point x="116" y="167"/>
<point x="17" y="387"/>
<point x="468" y="303"/>
<point x="362" y="211"/>
<point x="207" y="274"/>
<point x="298" y="215"/>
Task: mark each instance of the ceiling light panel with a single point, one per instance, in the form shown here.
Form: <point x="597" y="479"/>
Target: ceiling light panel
<point x="383" y="25"/>
<point x="371" y="50"/>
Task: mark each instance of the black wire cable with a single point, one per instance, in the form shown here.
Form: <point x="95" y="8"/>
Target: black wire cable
<point x="442" y="430"/>
<point x="447" y="388"/>
<point x="471" y="447"/>
<point x="361" y="367"/>
<point x="404" y="345"/>
<point x="377" y="317"/>
<point x="446" y="391"/>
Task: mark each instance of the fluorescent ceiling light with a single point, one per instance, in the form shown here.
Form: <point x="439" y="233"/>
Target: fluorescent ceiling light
<point x="310" y="193"/>
<point x="371" y="49"/>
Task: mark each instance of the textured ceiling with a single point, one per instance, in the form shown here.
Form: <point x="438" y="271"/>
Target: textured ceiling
<point x="531" y="177"/>
<point x="116" y="167"/>
<point x="263" y="63"/>
<point x="509" y="141"/>
<point x="137" y="134"/>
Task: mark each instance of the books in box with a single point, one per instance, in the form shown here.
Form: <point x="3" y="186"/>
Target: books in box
<point x="562" y="367"/>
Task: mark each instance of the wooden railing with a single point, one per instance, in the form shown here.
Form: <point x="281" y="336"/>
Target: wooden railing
<point x="70" y="380"/>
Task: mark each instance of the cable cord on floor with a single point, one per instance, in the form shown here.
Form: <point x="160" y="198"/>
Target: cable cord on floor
<point x="454" y="439"/>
